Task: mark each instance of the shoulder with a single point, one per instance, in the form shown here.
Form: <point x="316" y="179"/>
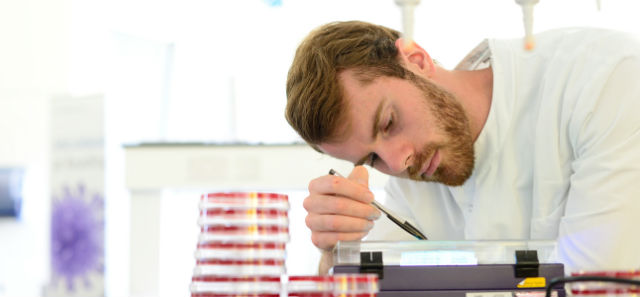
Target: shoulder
<point x="572" y="43"/>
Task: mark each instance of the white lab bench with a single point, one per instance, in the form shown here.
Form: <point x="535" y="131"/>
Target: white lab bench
<point x="152" y="169"/>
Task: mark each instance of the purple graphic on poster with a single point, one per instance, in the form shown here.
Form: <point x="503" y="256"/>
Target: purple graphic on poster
<point x="77" y="235"/>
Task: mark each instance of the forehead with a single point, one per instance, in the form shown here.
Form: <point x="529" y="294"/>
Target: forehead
<point x="357" y="89"/>
<point x="362" y="99"/>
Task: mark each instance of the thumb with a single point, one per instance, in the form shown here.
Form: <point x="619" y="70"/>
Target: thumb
<point x="360" y="175"/>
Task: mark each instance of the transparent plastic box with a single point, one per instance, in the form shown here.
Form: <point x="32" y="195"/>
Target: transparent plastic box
<point x="427" y="252"/>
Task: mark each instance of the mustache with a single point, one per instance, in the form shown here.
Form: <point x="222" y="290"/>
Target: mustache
<point x="419" y="159"/>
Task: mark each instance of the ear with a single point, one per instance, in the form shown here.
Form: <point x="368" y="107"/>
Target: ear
<point x="415" y="57"/>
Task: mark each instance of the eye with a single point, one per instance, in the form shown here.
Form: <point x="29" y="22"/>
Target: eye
<point x="388" y="125"/>
<point x="372" y="159"/>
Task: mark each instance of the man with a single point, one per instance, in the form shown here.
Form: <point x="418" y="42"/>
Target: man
<point x="539" y="145"/>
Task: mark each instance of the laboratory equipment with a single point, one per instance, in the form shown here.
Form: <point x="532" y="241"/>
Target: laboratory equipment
<point x="407" y="7"/>
<point x="337" y="285"/>
<point x="453" y="268"/>
<point x="605" y="286"/>
<point x="310" y="286"/>
<point x="355" y="285"/>
<point x="241" y="248"/>
<point x="527" y="17"/>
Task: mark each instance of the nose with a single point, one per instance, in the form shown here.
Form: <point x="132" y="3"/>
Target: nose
<point x="396" y="156"/>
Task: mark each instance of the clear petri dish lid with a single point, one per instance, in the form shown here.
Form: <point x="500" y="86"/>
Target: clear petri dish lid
<point x="205" y="294"/>
<point x="282" y="221"/>
<point x="225" y="278"/>
<point x="240" y="262"/>
<point x="231" y="250"/>
<point x="605" y="292"/>
<point x="355" y="283"/>
<point x="245" y="229"/>
<point x="233" y="295"/>
<point x="240" y="254"/>
<point x="242" y="246"/>
<point x="230" y="237"/>
<point x="628" y="274"/>
<point x="244" y="200"/>
<point x="238" y="270"/>
<point x="243" y="213"/>
<point x="237" y="286"/>
<point x="309" y="285"/>
<point x="592" y="288"/>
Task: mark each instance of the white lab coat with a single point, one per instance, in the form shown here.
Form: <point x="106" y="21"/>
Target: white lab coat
<point x="558" y="158"/>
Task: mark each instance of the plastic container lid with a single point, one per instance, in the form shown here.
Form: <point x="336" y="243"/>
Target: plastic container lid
<point x="242" y="200"/>
<point x="244" y="234"/>
<point x="250" y="229"/>
<point x="243" y="213"/>
<point x="240" y="251"/>
<point x="248" y="238"/>
<point x="363" y="284"/>
<point x="239" y="268"/>
<point x="233" y="295"/>
<point x="354" y="285"/>
<point x="236" y="287"/>
<point x="242" y="220"/>
<point x="241" y="246"/>
<point x="271" y="262"/>
<point x="239" y="254"/>
<point x="310" y="286"/>
<point x="218" y="278"/>
<point x="628" y="274"/>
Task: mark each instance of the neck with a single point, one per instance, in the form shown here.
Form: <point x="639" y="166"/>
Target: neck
<point x="474" y="90"/>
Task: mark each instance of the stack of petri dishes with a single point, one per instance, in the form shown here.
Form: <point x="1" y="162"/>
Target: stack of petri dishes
<point x="337" y="285"/>
<point x="604" y="287"/>
<point x="241" y="249"/>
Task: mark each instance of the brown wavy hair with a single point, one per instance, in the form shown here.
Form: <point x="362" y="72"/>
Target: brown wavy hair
<point x="316" y="108"/>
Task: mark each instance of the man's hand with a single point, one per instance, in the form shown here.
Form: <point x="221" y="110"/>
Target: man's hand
<point x="339" y="209"/>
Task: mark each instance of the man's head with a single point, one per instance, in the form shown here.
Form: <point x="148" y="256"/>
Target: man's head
<point x="354" y="95"/>
<point x="315" y="103"/>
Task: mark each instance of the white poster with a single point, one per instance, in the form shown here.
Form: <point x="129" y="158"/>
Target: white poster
<point x="77" y="197"/>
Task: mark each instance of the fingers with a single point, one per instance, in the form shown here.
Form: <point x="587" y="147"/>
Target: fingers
<point x="321" y="204"/>
<point x="340" y="186"/>
<point x="337" y="223"/>
<point x="360" y="175"/>
<point x="340" y="208"/>
<point x="327" y="240"/>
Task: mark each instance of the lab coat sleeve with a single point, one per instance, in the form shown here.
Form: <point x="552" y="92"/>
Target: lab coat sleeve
<point x="599" y="229"/>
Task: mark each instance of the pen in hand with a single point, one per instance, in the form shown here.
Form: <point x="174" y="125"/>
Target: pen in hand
<point x="402" y="223"/>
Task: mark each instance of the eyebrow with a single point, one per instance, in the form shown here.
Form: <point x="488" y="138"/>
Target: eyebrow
<point x="375" y="130"/>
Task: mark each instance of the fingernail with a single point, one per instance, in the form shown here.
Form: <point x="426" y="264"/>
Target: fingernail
<point x="369" y="225"/>
<point x="368" y="196"/>
<point x="376" y="215"/>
